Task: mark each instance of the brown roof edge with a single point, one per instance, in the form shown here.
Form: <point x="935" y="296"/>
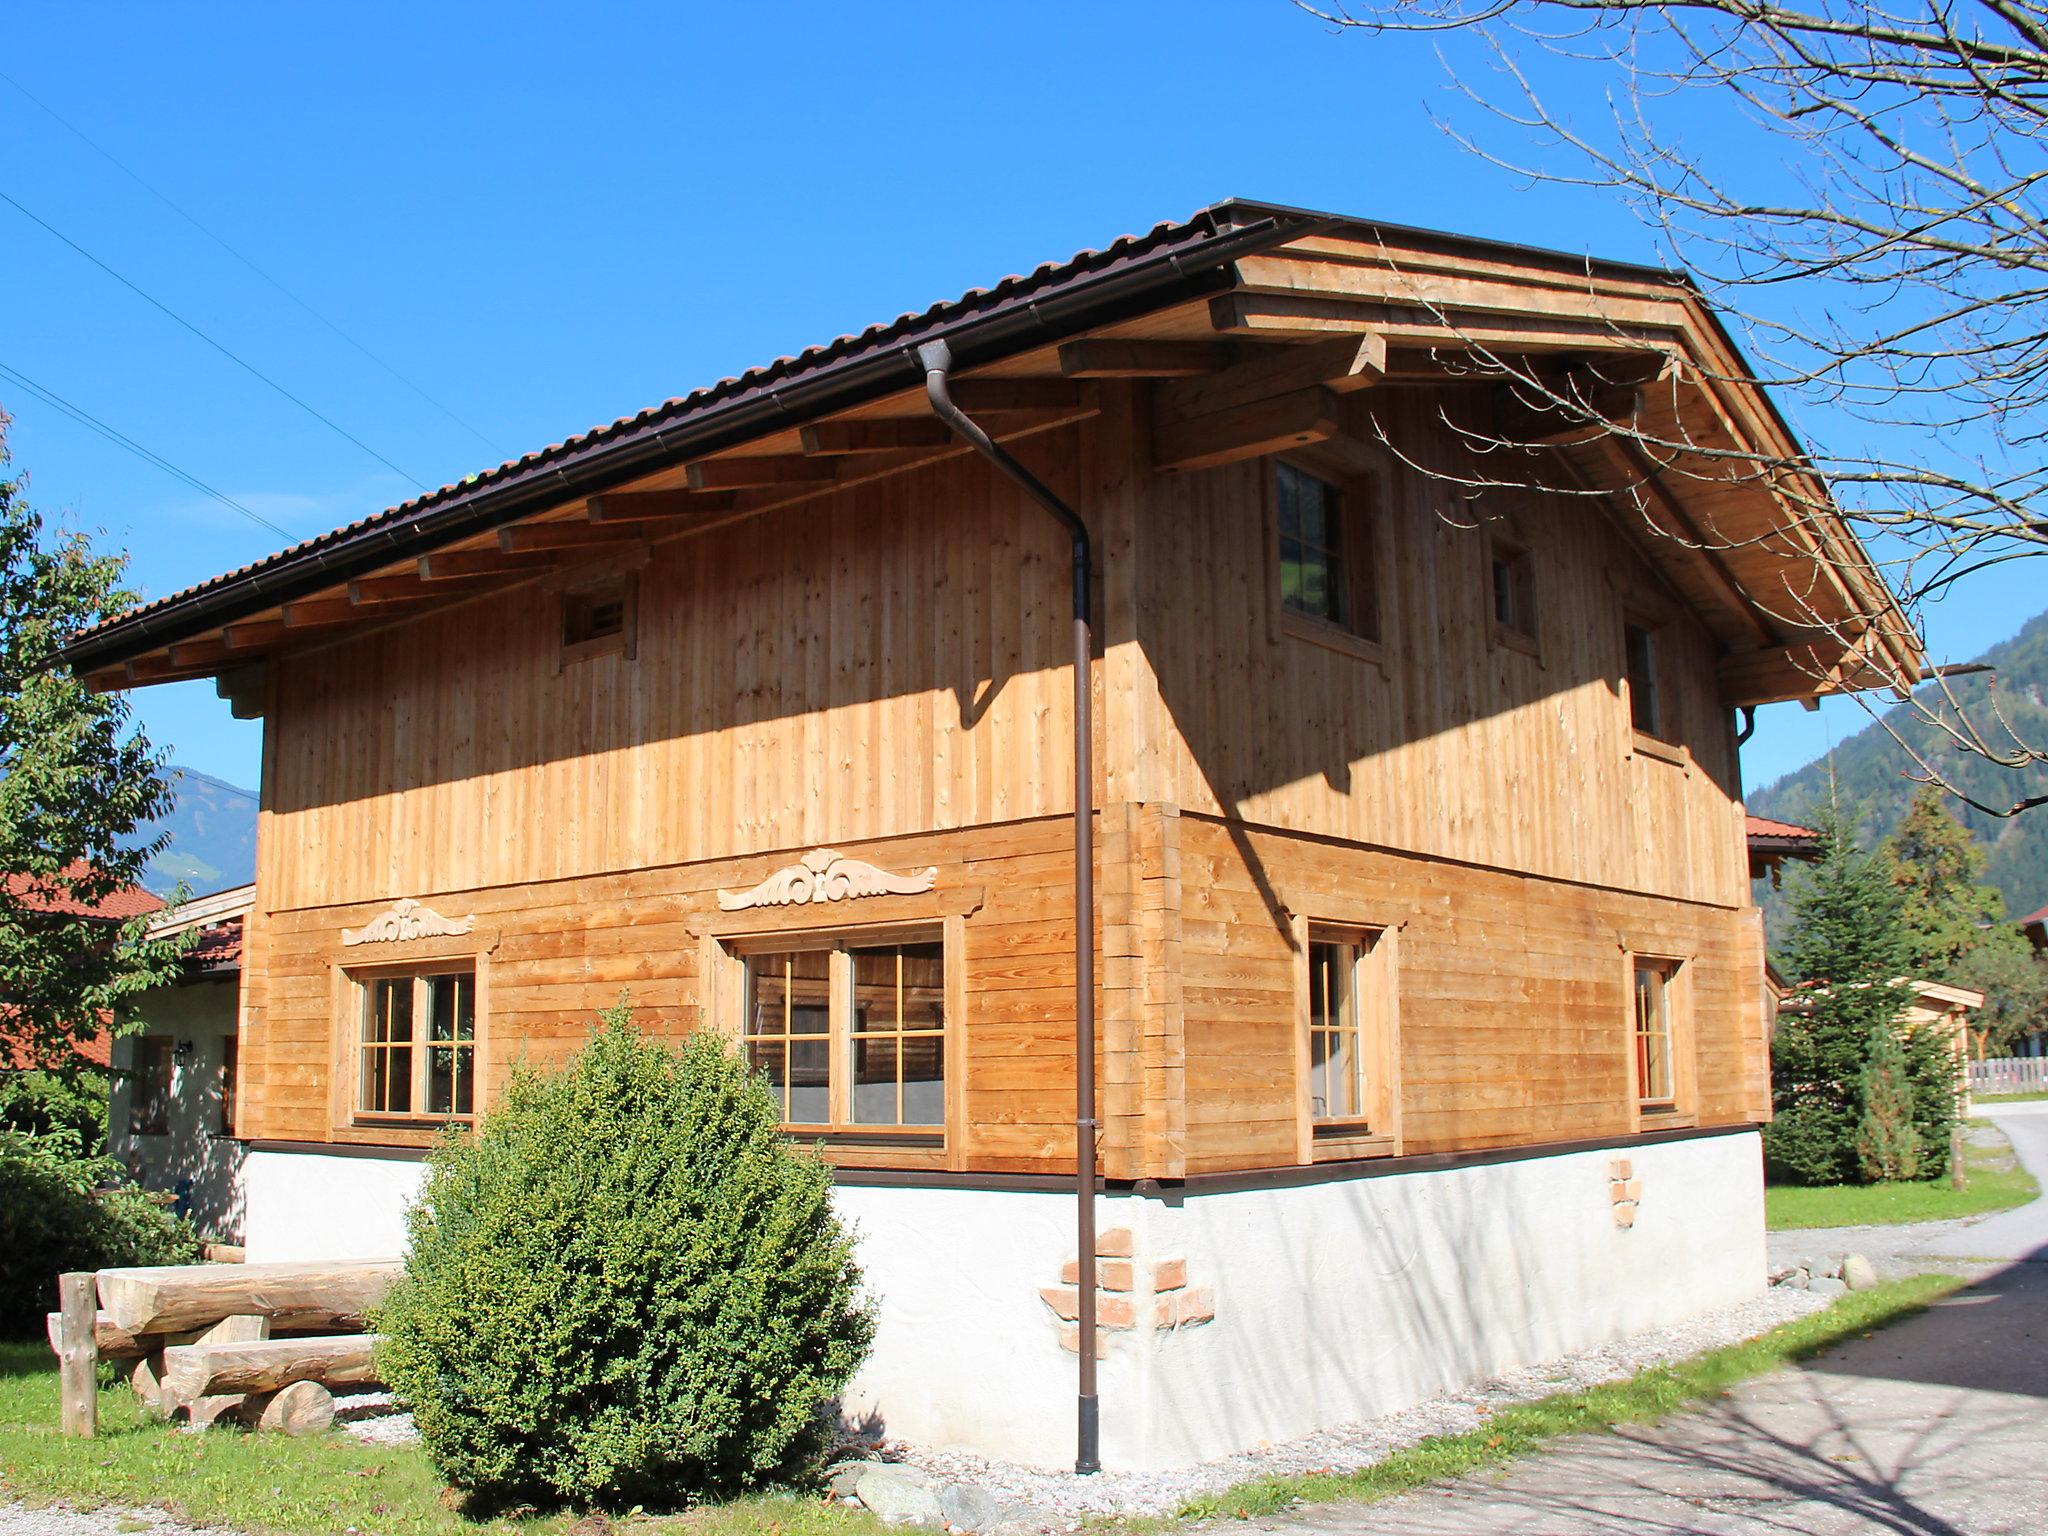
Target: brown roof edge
<point x="1170" y="264"/>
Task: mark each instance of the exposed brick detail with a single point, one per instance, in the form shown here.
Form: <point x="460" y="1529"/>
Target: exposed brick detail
<point x="1110" y="1274"/>
<point x="1169" y="1274"/>
<point x="1116" y="1312"/>
<point x="1116" y="1243"/>
<point x="1187" y="1308"/>
<point x="1624" y="1190"/>
<point x="1064" y="1300"/>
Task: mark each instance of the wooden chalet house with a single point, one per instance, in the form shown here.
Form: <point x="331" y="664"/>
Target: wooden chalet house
<point x="1428" y="1011"/>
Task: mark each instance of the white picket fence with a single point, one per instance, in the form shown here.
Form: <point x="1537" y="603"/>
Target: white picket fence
<point x="2010" y="1074"/>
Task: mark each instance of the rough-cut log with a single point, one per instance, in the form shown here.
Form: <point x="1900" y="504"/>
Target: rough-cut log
<point x="201" y="1370"/>
<point x="303" y="1408"/>
<point x="114" y="1342"/>
<point x="174" y="1297"/>
<point x="78" y="1357"/>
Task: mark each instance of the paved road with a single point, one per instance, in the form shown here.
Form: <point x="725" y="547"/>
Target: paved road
<point x="1937" y="1427"/>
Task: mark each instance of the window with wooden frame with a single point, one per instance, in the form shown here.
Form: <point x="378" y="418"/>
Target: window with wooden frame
<point x="1346" y="1050"/>
<point x="850" y="1033"/>
<point x="149" y="1087"/>
<point x="599" y="617"/>
<point x="417" y="1045"/>
<point x="1326" y="554"/>
<point x="230" y="1065"/>
<point x="1511" y="579"/>
<point x="1656" y="1053"/>
<point x="1640" y="670"/>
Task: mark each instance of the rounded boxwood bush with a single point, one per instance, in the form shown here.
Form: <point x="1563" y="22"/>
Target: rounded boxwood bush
<point x="625" y="1288"/>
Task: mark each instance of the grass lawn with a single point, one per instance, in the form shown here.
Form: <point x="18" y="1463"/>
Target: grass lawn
<point x="1996" y="1183"/>
<point x="323" y="1485"/>
<point x="2007" y="1098"/>
<point x="1646" y="1396"/>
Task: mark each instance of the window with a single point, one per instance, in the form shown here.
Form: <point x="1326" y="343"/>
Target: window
<point x="1346" y="1024"/>
<point x="1325" y="555"/>
<point x="149" y="1089"/>
<point x="1656" y="1086"/>
<point x="851" y="1035"/>
<point x="1644" y="707"/>
<point x="598" y="618"/>
<point x="1336" y="1055"/>
<point x="230" y="1062"/>
<point x="418" y="1046"/>
<point x="1512" y="572"/>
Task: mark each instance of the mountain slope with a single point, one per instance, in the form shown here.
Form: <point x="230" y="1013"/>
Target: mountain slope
<point x="1870" y="769"/>
<point x="213" y="836"/>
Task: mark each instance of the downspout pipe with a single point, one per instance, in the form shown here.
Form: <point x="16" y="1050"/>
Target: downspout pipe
<point x="936" y="358"/>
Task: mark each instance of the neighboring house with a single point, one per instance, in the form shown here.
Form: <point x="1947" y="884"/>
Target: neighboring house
<point x="1428" y="1028"/>
<point x="1771" y="843"/>
<point x="121" y="906"/>
<point x="173" y="1116"/>
<point x="2035" y="926"/>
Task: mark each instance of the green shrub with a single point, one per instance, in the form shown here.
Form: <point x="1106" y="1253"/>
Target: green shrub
<point x="62" y="1209"/>
<point x="1809" y="1141"/>
<point x="1887" y="1144"/>
<point x="625" y="1288"/>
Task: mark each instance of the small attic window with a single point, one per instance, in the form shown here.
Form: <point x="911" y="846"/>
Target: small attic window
<point x="598" y="620"/>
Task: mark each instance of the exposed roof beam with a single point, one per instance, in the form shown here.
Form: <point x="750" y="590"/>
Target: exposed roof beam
<point x="881" y="436"/>
<point x="460" y="564"/>
<point x="1341" y="363"/>
<point x="524" y="537"/>
<point x="756" y="470"/>
<point x="1106" y="359"/>
<point x="1266" y="426"/>
<point x="407" y="586"/>
<point x="634" y="506"/>
<point x="974" y="395"/>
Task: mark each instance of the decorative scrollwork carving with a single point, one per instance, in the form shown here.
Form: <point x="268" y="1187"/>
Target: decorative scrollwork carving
<point x="407" y="919"/>
<point x="827" y="875"/>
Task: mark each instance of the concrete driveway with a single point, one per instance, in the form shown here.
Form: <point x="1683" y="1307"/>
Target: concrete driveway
<point x="1935" y="1426"/>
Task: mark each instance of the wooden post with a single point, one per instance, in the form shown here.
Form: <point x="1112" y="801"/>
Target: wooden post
<point x="1957" y="1176"/>
<point x="78" y="1353"/>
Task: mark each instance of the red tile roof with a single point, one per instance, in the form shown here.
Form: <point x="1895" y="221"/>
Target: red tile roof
<point x="219" y="947"/>
<point x="129" y="901"/>
<point x="1763" y="826"/>
<point x="2035" y="917"/>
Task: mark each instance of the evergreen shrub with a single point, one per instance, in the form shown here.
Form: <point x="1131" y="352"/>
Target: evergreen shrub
<point x="625" y="1288"/>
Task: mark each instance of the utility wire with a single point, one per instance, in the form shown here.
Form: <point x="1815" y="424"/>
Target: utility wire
<point x="164" y="198"/>
<point x="238" y="361"/>
<point x="86" y="419"/>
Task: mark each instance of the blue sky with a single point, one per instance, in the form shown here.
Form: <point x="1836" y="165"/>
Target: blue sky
<point x="543" y="218"/>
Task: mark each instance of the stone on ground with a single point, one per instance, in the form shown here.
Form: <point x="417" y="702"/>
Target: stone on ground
<point x="898" y="1496"/>
<point x="1858" y="1273"/>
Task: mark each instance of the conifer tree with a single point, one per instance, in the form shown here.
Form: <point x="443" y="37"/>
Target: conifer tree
<point x="1847" y="950"/>
<point x="1936" y="863"/>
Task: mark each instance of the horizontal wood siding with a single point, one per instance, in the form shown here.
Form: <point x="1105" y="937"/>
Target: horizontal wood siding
<point x="558" y="952"/>
<point x="1514" y="1009"/>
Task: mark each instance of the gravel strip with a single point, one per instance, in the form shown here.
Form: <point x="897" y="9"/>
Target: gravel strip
<point x="1035" y="1499"/>
<point x="107" y="1520"/>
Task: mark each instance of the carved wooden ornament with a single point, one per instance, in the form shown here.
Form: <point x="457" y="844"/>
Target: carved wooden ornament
<point x="826" y="875"/>
<point x="407" y="919"/>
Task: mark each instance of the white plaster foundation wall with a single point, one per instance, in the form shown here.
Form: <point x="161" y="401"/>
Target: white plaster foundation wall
<point x="191" y="1158"/>
<point x="1343" y="1301"/>
<point x="308" y="1206"/>
<point x="1334" y="1301"/>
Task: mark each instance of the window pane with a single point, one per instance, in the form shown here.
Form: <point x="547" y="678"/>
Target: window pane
<point x="1642" y="679"/>
<point x="875" y="1062"/>
<point x="1336" y="1086"/>
<point x="1653" y="1036"/>
<point x="810" y="1067"/>
<point x="1503" y="593"/>
<point x="771" y="1057"/>
<point x="451" y="1008"/>
<point x="1311" y="545"/>
<point x="231" y="1057"/>
<point x="924" y="986"/>
<point x="924" y="1081"/>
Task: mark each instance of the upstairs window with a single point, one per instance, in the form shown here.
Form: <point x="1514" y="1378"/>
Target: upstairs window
<point x="1325" y="552"/>
<point x="1656" y="1083"/>
<point x="1645" y="707"/>
<point x="598" y="618"/>
<point x="149" y="1089"/>
<point x="417" y="1049"/>
<point x="1512" y="575"/>
<point x="851" y="1036"/>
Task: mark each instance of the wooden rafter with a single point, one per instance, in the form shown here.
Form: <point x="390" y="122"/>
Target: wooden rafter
<point x="1110" y="359"/>
<point x="523" y="537"/>
<point x="892" y="433"/>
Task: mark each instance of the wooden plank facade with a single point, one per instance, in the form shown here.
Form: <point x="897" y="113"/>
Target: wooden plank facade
<point x="853" y="635"/>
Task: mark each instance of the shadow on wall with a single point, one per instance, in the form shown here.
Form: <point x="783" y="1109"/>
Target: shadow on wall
<point x="177" y="1137"/>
